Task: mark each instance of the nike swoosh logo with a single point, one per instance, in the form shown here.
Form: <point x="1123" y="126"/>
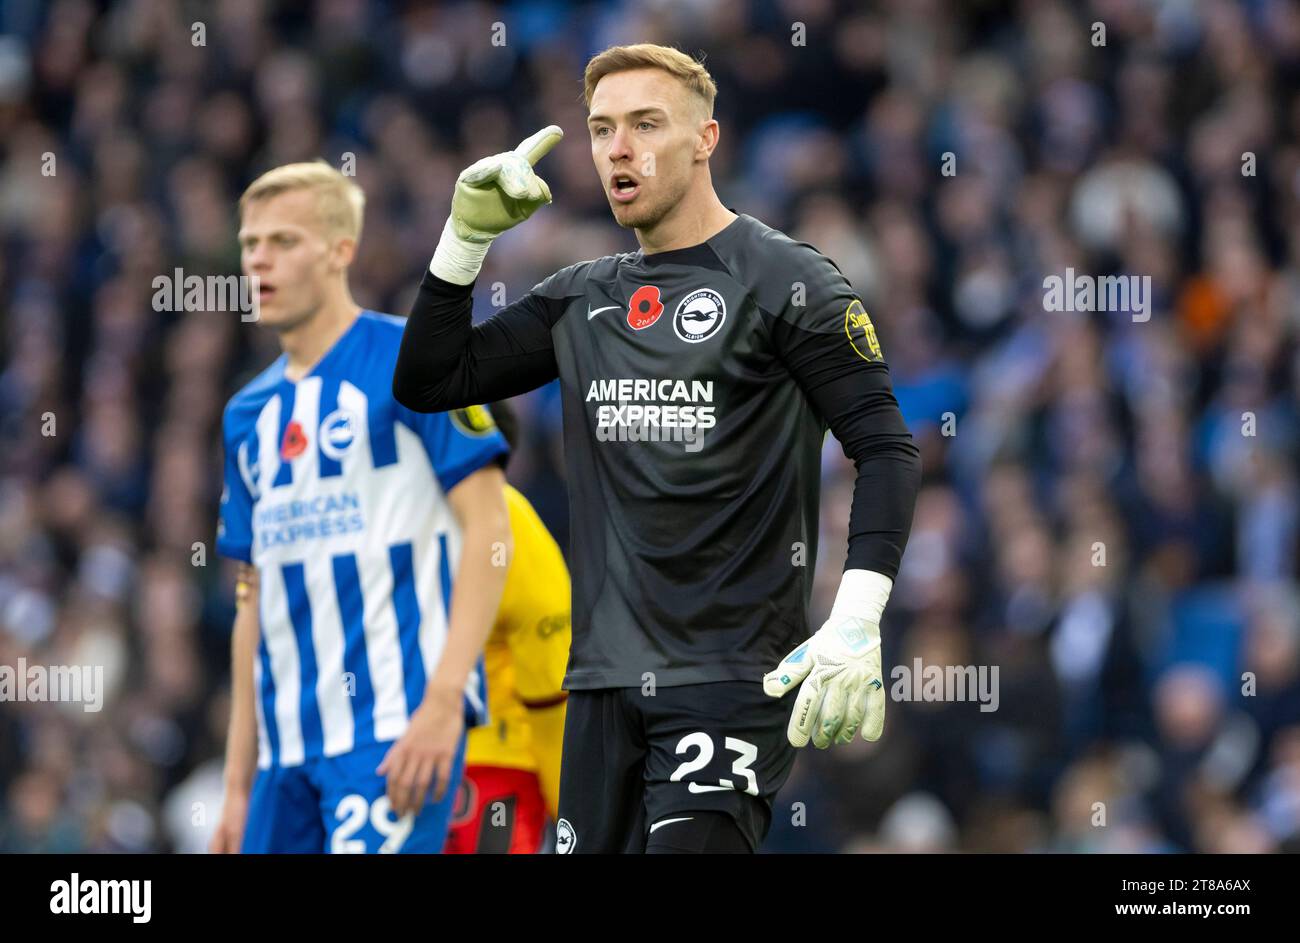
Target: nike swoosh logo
<point x="591" y="314"/>
<point x="664" y="822"/>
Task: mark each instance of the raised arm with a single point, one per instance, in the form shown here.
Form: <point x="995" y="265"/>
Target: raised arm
<point x="445" y="362"/>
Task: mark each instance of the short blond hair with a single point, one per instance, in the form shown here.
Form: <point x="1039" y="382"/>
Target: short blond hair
<point x="676" y="63"/>
<point x="340" y="203"/>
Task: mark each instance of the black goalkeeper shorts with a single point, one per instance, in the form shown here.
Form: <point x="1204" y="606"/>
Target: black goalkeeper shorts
<point x="633" y="760"/>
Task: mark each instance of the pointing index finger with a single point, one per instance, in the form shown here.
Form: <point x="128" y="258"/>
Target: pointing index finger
<point x="538" y="145"/>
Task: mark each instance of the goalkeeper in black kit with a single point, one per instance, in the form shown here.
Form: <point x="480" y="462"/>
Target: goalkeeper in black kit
<point x="698" y="376"/>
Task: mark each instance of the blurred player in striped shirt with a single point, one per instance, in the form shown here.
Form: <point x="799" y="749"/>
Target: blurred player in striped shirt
<point x="356" y="669"/>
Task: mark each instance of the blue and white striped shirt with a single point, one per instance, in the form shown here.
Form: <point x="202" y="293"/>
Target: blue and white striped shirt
<point x="338" y="495"/>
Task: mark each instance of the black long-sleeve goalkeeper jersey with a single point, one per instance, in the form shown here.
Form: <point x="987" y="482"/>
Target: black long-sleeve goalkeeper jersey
<point x="697" y="387"/>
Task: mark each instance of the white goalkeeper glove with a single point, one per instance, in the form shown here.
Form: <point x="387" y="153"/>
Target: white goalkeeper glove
<point x="841" y="686"/>
<point x="491" y="195"/>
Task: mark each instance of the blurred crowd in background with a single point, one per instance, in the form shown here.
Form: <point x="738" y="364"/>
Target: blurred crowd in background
<point x="1110" y="512"/>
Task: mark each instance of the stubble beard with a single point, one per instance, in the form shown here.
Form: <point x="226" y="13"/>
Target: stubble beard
<point x="651" y="213"/>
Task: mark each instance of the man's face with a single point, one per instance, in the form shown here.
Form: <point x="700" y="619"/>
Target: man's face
<point x="282" y="241"/>
<point x="645" y="130"/>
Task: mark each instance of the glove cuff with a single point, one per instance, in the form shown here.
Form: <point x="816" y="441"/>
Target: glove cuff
<point x="457" y="260"/>
<point x="862" y="595"/>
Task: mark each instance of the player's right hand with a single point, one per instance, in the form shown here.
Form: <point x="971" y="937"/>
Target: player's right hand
<point x="229" y="836"/>
<point x="501" y="191"/>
